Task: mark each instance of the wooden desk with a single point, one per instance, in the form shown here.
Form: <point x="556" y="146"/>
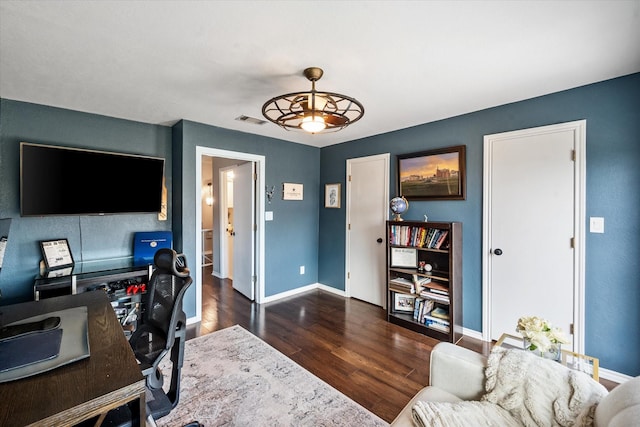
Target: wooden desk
<point x="88" y="388"/>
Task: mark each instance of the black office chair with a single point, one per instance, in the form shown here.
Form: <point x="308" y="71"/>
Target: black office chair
<point x="163" y="329"/>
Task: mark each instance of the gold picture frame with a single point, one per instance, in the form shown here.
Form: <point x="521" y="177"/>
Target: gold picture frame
<point x="332" y="195"/>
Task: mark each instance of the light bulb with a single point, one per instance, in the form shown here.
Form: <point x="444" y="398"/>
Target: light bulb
<point x="313" y="124"/>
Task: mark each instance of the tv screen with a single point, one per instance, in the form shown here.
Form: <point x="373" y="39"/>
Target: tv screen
<point x="69" y="181"/>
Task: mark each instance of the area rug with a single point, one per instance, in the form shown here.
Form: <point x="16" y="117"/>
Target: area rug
<point x="233" y="378"/>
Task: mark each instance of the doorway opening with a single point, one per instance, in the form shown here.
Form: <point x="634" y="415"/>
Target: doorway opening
<point x="212" y="220"/>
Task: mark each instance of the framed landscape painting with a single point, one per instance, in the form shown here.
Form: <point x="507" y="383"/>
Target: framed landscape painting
<point x="433" y="175"/>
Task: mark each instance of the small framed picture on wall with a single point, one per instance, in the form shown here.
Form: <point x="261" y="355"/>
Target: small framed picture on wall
<point x="332" y="195"/>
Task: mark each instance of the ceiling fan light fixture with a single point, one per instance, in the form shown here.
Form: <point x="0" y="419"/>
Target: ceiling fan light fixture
<point x="313" y="124"/>
<point x="313" y="112"/>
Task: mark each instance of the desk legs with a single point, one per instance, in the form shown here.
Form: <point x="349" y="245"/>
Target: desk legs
<point x="139" y="407"/>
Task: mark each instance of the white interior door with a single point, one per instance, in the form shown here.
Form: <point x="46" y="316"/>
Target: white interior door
<point x="531" y="227"/>
<point x="230" y="233"/>
<point x="367" y="211"/>
<point x="243" y="229"/>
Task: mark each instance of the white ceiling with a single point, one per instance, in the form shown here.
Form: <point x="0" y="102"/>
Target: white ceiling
<point x="408" y="62"/>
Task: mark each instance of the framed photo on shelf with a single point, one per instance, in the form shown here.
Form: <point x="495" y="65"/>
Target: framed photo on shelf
<point x="404" y="257"/>
<point x="403" y="302"/>
<point x="56" y="253"/>
<point x="433" y="175"/>
<point x="332" y="195"/>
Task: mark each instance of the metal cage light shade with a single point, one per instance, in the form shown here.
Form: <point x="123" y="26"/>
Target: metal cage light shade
<point x="313" y="111"/>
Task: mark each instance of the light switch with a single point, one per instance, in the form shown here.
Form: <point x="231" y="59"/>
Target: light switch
<point x="268" y="216"/>
<point x="596" y="224"/>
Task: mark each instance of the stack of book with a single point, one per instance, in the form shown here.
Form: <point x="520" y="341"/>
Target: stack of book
<point x="435" y="294"/>
<point x="400" y="284"/>
<point x="438" y="319"/>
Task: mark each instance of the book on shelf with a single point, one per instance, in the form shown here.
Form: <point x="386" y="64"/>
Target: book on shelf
<point x="434" y="320"/>
<point x="422" y="306"/>
<point x="441" y="328"/>
<point x="402" y="284"/>
<point x="440" y="313"/>
<point x="441" y="239"/>
<point x="433" y="236"/>
<point x="402" y="289"/>
<point x="436" y="297"/>
<point x="438" y="291"/>
<point x="401" y="281"/>
<point x="416" y="308"/>
<point x="420" y="280"/>
<point x="417" y="236"/>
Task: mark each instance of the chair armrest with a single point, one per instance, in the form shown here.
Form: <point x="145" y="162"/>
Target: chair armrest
<point x="458" y="371"/>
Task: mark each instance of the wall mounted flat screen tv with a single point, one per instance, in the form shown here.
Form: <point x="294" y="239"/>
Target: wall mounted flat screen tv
<point x="68" y="181"/>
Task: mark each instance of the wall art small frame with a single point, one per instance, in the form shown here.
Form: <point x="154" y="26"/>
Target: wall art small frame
<point x="438" y="174"/>
<point x="404" y="302"/>
<point x="332" y="195"/>
<point x="291" y="191"/>
<point x="56" y="253"/>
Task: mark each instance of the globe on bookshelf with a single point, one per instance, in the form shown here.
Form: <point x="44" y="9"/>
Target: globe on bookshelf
<point x="398" y="206"/>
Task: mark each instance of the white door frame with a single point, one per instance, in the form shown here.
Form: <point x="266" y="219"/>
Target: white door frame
<point x="260" y="229"/>
<point x="579" y="128"/>
<point x="386" y="157"/>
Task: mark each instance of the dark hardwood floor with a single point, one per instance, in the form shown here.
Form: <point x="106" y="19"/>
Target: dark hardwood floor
<point x="346" y="342"/>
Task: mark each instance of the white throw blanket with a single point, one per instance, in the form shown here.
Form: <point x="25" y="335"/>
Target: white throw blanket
<point x="467" y="414"/>
<point x="522" y="390"/>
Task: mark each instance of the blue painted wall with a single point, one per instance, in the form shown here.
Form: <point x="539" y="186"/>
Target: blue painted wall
<point x="291" y="239"/>
<point x="612" y="111"/>
<point x="90" y="237"/>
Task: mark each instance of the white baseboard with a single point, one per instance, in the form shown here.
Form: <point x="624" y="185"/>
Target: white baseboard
<point x="472" y="334"/>
<point x="613" y="376"/>
<point x="293" y="292"/>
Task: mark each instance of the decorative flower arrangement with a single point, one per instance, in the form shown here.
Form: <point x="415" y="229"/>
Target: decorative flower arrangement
<point x="539" y="334"/>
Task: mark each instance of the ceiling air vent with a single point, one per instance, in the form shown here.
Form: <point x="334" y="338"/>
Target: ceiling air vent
<point x="251" y="120"/>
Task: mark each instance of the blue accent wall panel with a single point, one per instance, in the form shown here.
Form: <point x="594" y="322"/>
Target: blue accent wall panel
<point x="291" y="239"/>
<point x="612" y="111"/>
<point x="90" y="237"/>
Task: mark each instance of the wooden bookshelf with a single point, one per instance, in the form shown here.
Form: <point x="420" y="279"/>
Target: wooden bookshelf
<point x="430" y="252"/>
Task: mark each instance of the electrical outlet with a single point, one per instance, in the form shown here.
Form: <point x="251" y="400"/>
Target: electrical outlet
<point x="302" y="269"/>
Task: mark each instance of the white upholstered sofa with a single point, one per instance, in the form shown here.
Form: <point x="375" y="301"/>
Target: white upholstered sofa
<point x="458" y="375"/>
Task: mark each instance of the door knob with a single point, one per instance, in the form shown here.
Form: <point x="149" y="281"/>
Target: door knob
<point x="497" y="252"/>
<point x="379" y="240"/>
